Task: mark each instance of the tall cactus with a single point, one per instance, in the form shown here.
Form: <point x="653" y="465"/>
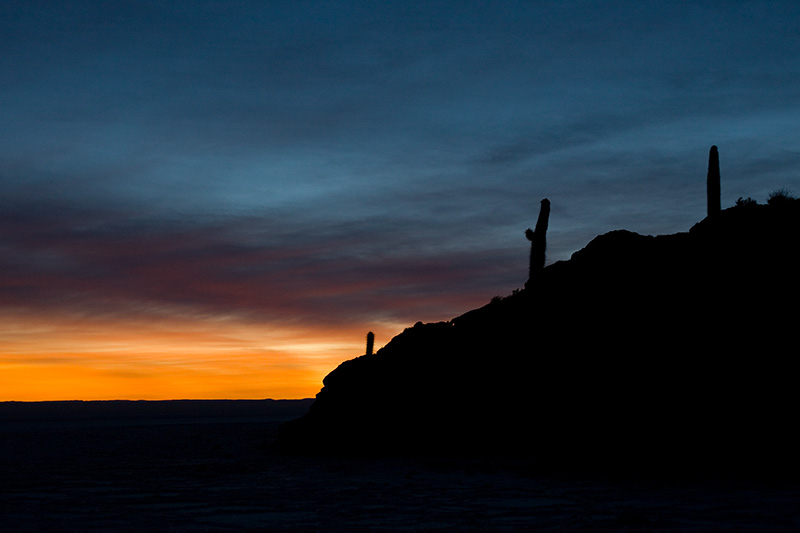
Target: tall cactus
<point x="712" y="182"/>
<point x="370" y="342"/>
<point x="538" y="238"/>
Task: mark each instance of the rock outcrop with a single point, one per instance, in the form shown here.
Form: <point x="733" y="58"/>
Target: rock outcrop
<point x="640" y="353"/>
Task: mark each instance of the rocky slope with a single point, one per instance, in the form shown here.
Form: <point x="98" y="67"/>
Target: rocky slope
<point x="640" y="353"/>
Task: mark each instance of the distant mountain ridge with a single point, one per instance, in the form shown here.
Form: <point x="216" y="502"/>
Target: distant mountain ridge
<point x="132" y="410"/>
<point x="638" y="353"/>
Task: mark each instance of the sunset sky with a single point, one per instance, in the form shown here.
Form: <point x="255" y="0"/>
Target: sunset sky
<point x="205" y="199"/>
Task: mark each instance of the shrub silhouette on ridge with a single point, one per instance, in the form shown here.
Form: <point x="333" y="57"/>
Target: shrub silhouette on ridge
<point x="780" y="197"/>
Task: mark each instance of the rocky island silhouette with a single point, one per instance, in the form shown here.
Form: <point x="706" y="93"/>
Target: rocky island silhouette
<point x="639" y="354"/>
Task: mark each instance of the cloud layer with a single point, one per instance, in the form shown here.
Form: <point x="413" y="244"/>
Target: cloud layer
<point x="351" y="166"/>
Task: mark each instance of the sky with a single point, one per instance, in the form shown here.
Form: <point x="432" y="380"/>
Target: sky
<point x="219" y="199"/>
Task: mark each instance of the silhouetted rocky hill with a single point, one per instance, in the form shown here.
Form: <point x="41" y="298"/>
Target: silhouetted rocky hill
<point x="640" y="353"/>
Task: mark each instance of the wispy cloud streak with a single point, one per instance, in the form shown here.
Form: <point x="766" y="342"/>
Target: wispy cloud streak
<point x="252" y="267"/>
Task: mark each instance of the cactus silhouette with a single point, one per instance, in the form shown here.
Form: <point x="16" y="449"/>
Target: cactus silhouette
<point x="538" y="238"/>
<point x="712" y="182"/>
<point x="370" y="342"/>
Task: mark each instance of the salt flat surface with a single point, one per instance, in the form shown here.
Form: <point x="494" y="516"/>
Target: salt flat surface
<point x="146" y="472"/>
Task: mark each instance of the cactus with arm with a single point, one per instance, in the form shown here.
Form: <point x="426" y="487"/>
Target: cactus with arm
<point x="538" y="238"/>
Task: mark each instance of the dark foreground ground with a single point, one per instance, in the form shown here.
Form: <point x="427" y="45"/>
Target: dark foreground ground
<point x="203" y="466"/>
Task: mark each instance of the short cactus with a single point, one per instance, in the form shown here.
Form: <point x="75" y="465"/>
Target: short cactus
<point x="370" y="342"/>
<point x="712" y="182"/>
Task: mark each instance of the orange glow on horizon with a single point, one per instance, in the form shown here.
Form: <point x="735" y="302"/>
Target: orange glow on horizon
<point x="73" y="358"/>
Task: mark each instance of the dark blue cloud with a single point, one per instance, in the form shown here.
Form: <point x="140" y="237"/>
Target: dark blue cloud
<point x="371" y="151"/>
